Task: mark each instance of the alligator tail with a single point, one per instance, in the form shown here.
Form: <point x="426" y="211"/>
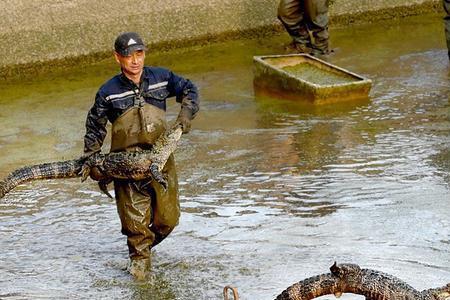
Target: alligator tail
<point x="63" y="169"/>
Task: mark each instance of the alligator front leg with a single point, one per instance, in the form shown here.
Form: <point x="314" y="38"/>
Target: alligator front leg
<point x="103" y="186"/>
<point x="85" y="171"/>
<point x="158" y="176"/>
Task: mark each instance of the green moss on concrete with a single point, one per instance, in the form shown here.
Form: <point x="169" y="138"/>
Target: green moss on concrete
<point x="386" y="14"/>
<point x="27" y="70"/>
<point x="40" y="65"/>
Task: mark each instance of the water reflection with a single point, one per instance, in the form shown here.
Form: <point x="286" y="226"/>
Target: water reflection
<point x="442" y="162"/>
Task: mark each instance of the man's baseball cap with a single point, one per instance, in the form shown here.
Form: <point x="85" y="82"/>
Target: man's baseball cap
<point x="128" y="42"/>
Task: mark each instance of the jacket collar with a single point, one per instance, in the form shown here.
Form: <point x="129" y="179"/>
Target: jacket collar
<point x="128" y="82"/>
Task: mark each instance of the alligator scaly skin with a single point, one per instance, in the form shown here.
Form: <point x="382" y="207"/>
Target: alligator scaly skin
<point x="120" y="165"/>
<point x="350" y="278"/>
<point x="63" y="169"/>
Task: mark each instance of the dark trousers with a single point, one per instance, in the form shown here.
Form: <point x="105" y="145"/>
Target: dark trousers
<point x="300" y="17"/>
<point x="147" y="215"/>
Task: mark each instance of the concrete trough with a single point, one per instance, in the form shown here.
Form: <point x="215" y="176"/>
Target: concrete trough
<point x="307" y="78"/>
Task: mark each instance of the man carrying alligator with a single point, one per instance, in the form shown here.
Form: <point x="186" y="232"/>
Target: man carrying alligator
<point x="135" y="103"/>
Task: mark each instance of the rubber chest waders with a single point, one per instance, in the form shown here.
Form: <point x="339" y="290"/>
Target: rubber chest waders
<point x="144" y="222"/>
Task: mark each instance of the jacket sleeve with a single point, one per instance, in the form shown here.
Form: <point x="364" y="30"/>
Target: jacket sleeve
<point x="185" y="92"/>
<point x="96" y="126"/>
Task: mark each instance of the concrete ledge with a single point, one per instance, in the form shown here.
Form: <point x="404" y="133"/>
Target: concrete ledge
<point x="36" y="33"/>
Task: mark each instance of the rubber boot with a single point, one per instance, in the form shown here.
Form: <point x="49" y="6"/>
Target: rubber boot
<point x="320" y="50"/>
<point x="320" y="45"/>
<point x="295" y="47"/>
<point x="139" y="268"/>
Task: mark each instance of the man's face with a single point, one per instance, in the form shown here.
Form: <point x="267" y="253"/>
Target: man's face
<point x="132" y="64"/>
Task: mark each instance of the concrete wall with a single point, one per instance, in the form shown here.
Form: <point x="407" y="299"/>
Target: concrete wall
<point x="34" y="31"/>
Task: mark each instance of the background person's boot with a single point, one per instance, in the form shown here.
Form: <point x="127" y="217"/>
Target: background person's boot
<point x="320" y="52"/>
<point x="321" y="48"/>
<point x="301" y="41"/>
<point x="139" y="268"/>
<point x="295" y="47"/>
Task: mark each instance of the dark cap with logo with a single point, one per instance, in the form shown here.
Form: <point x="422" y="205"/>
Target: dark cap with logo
<point x="128" y="42"/>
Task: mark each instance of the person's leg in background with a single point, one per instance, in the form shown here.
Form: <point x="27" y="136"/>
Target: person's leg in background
<point x="291" y="13"/>
<point x="447" y="23"/>
<point x="317" y="13"/>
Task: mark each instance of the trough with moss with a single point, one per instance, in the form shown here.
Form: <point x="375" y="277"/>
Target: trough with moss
<point x="307" y="78"/>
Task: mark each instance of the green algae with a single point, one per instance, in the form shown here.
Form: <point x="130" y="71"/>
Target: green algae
<point x="315" y="75"/>
<point x="48" y="61"/>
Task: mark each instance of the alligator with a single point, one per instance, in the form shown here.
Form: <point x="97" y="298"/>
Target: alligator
<point x="137" y="165"/>
<point x="350" y="278"/>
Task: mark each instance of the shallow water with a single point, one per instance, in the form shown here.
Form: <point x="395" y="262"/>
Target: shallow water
<point x="272" y="191"/>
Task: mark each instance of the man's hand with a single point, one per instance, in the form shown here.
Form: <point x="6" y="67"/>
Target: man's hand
<point x="97" y="175"/>
<point x="184" y="119"/>
<point x="91" y="167"/>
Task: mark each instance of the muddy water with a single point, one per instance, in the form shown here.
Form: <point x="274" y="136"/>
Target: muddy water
<point x="272" y="191"/>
